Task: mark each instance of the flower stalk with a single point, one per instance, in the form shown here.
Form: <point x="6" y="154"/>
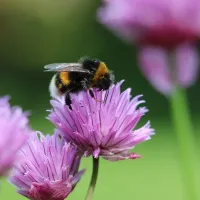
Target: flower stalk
<point x="184" y="133"/>
<point x="93" y="181"/>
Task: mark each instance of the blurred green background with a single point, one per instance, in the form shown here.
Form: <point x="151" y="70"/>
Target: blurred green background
<point x="38" y="32"/>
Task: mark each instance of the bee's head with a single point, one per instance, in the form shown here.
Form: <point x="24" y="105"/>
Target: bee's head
<point x="104" y="82"/>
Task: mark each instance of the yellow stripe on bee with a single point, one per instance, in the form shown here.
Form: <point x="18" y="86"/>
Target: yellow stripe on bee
<point x="64" y="76"/>
<point x="101" y="71"/>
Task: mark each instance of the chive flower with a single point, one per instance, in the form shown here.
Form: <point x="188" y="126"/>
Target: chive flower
<point x="104" y="126"/>
<point x="48" y="168"/>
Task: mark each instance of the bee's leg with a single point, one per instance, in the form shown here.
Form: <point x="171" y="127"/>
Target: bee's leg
<point x="92" y="95"/>
<point x="68" y="100"/>
<point x="84" y="84"/>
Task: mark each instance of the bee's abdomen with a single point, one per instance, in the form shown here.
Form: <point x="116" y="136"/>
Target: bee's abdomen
<point x="62" y="79"/>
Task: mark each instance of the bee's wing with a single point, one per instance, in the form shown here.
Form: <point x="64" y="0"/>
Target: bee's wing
<point x="67" y="67"/>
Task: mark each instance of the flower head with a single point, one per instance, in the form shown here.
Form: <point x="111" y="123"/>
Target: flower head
<point x="102" y="128"/>
<point x="165" y="31"/>
<point x="14" y="132"/>
<point x="153" y="22"/>
<point x="48" y="170"/>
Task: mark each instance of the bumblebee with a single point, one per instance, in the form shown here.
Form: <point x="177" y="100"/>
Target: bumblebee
<point x="75" y="77"/>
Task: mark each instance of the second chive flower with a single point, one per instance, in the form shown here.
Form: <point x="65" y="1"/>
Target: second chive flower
<point x="48" y="168"/>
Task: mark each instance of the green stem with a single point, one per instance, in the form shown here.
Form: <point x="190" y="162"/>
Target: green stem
<point x="93" y="179"/>
<point x="184" y="132"/>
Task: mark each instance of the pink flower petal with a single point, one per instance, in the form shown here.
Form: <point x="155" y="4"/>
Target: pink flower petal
<point x="154" y="64"/>
<point x="14" y="132"/>
<point x="187" y="65"/>
<point x="123" y="156"/>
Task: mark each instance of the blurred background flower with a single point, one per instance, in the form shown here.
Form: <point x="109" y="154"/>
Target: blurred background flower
<point x="14" y="132"/>
<point x="48" y="168"/>
<point x="37" y="32"/>
<point x="165" y="31"/>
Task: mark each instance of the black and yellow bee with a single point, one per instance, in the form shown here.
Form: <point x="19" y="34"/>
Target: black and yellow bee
<point x="83" y="75"/>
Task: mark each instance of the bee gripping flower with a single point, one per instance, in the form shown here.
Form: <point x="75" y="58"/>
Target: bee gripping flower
<point x="48" y="170"/>
<point x="14" y="132"/>
<point x="163" y="31"/>
<point x="106" y="129"/>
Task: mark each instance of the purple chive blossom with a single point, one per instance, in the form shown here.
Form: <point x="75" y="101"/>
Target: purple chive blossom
<point x="102" y="129"/>
<point x="48" y="170"/>
<point x="165" y="33"/>
<point x="14" y="132"/>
